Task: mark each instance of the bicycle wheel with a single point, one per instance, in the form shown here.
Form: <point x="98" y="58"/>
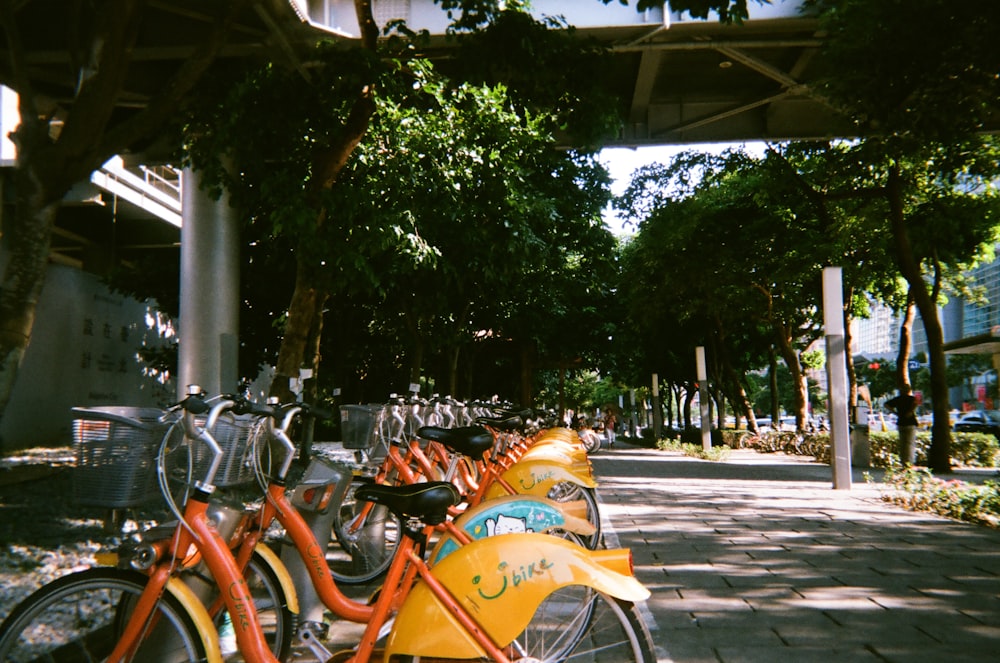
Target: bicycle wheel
<point x="80" y="616"/>
<point x="276" y="620"/>
<point x="578" y="623"/>
<point x="591" y="443"/>
<point x="567" y="492"/>
<point x="365" y="539"/>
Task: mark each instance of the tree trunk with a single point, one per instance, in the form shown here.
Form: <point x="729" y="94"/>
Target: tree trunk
<point x="453" y="355"/>
<point x="852" y="376"/>
<point x="905" y="345"/>
<point x="527" y="373"/>
<point x="773" y="383"/>
<point x="688" y="397"/>
<point x="28" y="236"/>
<point x="940" y="452"/>
<point x="305" y="306"/>
<point x="791" y="358"/>
<point x="328" y="162"/>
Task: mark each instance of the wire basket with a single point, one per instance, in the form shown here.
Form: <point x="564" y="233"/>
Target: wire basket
<point x="358" y="424"/>
<point x="235" y="434"/>
<point x="116" y="451"/>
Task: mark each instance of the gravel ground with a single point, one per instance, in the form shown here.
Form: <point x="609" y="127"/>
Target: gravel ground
<point x="43" y="534"/>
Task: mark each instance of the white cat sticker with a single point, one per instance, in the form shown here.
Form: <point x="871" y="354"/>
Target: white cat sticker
<point x="506" y="525"/>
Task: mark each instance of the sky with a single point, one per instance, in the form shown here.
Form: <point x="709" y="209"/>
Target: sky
<point x="621" y="162"/>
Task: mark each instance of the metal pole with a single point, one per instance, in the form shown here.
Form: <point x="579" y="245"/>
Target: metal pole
<point x="836" y="371"/>
<point x="706" y="418"/>
<point x="657" y="410"/>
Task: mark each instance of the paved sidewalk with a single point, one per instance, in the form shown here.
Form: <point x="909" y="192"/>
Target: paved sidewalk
<point x="757" y="559"/>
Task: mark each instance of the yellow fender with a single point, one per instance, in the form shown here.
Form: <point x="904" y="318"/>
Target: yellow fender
<point x="501" y="581"/>
<point x="530" y="512"/>
<point x="556" y="452"/>
<point x="567" y="434"/>
<point x="199" y="615"/>
<point x="538" y="476"/>
<point x="281" y="573"/>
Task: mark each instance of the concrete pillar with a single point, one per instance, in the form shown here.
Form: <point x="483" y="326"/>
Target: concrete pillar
<point x="657" y="409"/>
<point x="706" y="417"/>
<point x="209" y="292"/>
<point x="836" y="370"/>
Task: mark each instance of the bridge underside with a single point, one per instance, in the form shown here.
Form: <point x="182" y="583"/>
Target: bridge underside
<point x="702" y="82"/>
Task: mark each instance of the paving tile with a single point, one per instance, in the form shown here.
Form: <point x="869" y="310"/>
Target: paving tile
<point x="759" y="559"/>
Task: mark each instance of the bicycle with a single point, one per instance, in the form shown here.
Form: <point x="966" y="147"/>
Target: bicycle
<point x="598" y="581"/>
<point x="142" y="609"/>
<point x="465" y="457"/>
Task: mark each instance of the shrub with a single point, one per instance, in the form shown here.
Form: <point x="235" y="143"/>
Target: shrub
<point x="974" y="449"/>
<point x="917" y="489"/>
<point x="693" y="436"/>
<point x="720" y="452"/>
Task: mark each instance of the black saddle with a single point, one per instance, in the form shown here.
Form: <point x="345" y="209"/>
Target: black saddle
<point x="427" y="501"/>
<point x="509" y="423"/>
<point x="471" y="441"/>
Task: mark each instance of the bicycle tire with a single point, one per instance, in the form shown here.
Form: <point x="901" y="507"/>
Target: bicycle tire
<point x="604" y="630"/>
<point x="566" y="492"/>
<point x="365" y="555"/>
<point x="277" y="621"/>
<point x="591" y="443"/>
<point x="78" y="617"/>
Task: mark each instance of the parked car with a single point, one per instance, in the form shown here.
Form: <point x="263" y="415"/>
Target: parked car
<point x="785" y="424"/>
<point x="979" y="421"/>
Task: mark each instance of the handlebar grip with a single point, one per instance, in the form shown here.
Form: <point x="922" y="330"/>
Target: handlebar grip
<point x="318" y="412"/>
<point x="195" y="404"/>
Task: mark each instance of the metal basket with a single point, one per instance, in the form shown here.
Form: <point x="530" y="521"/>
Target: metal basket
<point x="235" y="434"/>
<point x="116" y="455"/>
<point x="358" y="425"/>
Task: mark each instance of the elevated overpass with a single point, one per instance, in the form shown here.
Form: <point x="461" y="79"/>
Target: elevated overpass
<point x="682" y="80"/>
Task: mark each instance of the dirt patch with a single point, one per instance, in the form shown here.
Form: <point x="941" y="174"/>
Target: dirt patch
<point x="43" y="533"/>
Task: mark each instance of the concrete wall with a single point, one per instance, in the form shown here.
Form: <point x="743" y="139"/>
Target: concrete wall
<point x="83" y="352"/>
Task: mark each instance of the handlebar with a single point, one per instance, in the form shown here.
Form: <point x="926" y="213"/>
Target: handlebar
<point x="196" y="404"/>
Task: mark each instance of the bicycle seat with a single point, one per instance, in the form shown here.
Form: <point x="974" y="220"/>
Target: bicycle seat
<point x="503" y="423"/>
<point x="427" y="501"/>
<point x="472" y="441"/>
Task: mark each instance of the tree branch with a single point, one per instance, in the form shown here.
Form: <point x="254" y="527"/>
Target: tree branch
<point x="165" y="103"/>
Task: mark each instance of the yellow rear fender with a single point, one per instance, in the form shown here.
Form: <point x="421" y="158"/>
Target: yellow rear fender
<point x="501" y="581"/>
<point x="556" y="452"/>
<point x="538" y="476"/>
<point x="566" y="434"/>
<point x="281" y="573"/>
<point x="571" y="441"/>
<point x="199" y="616"/>
<point x="514" y="514"/>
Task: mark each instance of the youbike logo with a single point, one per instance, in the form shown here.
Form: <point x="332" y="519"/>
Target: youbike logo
<point x="510" y="577"/>
<point x="237" y="592"/>
<point x="535" y="479"/>
<point x="317" y="559"/>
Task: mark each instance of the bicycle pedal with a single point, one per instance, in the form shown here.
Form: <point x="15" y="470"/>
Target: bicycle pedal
<point x="318" y="630"/>
<point x="308" y="637"/>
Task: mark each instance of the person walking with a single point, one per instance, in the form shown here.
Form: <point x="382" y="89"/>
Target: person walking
<point x="610" y="421"/>
<point x="905" y="407"/>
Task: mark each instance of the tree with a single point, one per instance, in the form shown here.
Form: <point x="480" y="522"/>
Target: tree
<point x="60" y="144"/>
<point x="503" y="217"/>
<point x="735" y="257"/>
<point x="919" y="84"/>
